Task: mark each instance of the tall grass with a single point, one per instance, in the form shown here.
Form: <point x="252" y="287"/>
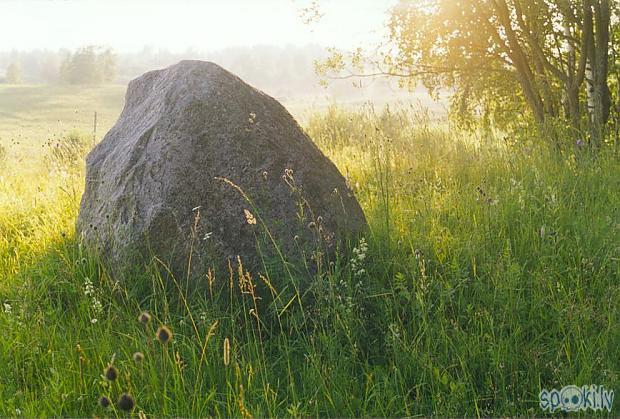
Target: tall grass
<point x="490" y="272"/>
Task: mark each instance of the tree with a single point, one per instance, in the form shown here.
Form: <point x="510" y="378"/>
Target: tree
<point x="14" y="73"/>
<point x="88" y="66"/>
<point x="107" y="62"/>
<point x="614" y="71"/>
<point x="498" y="56"/>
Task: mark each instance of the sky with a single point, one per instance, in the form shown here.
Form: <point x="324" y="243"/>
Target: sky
<point x="179" y="25"/>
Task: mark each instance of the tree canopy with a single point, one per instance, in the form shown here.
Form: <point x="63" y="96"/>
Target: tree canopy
<point x="14" y="73"/>
<point x="555" y="59"/>
<point x="89" y="65"/>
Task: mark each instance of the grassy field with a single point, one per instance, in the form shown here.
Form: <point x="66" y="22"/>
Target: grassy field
<point x="491" y="271"/>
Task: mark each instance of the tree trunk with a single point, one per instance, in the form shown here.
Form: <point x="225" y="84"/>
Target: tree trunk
<point x="598" y="56"/>
<point x="572" y="108"/>
<point x="517" y="55"/>
<point x="602" y="97"/>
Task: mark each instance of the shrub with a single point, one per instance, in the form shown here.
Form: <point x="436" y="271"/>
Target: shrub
<point x="2" y="156"/>
<point x="67" y="152"/>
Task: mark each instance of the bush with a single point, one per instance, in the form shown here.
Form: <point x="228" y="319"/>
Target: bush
<point x="67" y="153"/>
<point x="2" y="156"/>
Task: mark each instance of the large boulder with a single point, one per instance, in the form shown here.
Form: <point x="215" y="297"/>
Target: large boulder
<point x="200" y="163"/>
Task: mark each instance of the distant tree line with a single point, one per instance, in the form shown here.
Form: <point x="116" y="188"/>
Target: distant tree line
<point x="283" y="72"/>
<point x="88" y="65"/>
<point x="14" y="73"/>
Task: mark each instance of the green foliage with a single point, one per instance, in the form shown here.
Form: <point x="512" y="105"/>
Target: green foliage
<point x="89" y="65"/>
<point x="3" y="157"/>
<point x="506" y="63"/>
<point x="67" y="152"/>
<point x="490" y="271"/>
<point x="14" y="73"/>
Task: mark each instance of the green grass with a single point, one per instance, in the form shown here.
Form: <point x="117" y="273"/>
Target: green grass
<point x="491" y="273"/>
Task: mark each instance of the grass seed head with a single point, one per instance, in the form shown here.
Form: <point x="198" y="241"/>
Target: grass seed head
<point x="226" y="351"/>
<point x="249" y="217"/>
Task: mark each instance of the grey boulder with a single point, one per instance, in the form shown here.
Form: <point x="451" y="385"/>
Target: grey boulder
<point x="201" y="169"/>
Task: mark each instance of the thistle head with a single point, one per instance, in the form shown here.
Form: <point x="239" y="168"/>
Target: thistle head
<point x="104" y="402"/>
<point x="144" y="317"/>
<point x="138" y="357"/>
<point x="126" y="402"/>
<point x="163" y="334"/>
<point x="111" y="373"/>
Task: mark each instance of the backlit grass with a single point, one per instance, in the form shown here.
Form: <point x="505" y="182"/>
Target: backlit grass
<point x="490" y="272"/>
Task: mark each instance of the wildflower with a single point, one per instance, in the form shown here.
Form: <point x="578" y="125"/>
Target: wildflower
<point x="163" y="335"/>
<point x="18" y="412"/>
<point x="91" y="292"/>
<point x="93" y="320"/>
<point x="138" y="357"/>
<point x="126" y="402"/>
<point x="249" y="217"/>
<point x="97" y="306"/>
<point x="8" y="309"/>
<point x="359" y="254"/>
<point x="144" y="317"/>
<point x="104" y="402"/>
<point x="111" y="373"/>
<point x="226" y="351"/>
<point x="89" y="288"/>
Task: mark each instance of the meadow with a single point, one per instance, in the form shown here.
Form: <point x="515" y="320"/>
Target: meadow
<point x="490" y="272"/>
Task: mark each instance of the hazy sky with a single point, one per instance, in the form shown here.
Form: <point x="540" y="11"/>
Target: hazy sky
<point x="128" y="25"/>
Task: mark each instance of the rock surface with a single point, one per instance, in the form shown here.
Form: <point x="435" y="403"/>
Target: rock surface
<point x="201" y="163"/>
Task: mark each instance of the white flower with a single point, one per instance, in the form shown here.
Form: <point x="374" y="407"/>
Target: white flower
<point x="7" y="308"/>
<point x="359" y="254"/>
<point x="89" y="288"/>
<point x="93" y="320"/>
<point x="92" y="294"/>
